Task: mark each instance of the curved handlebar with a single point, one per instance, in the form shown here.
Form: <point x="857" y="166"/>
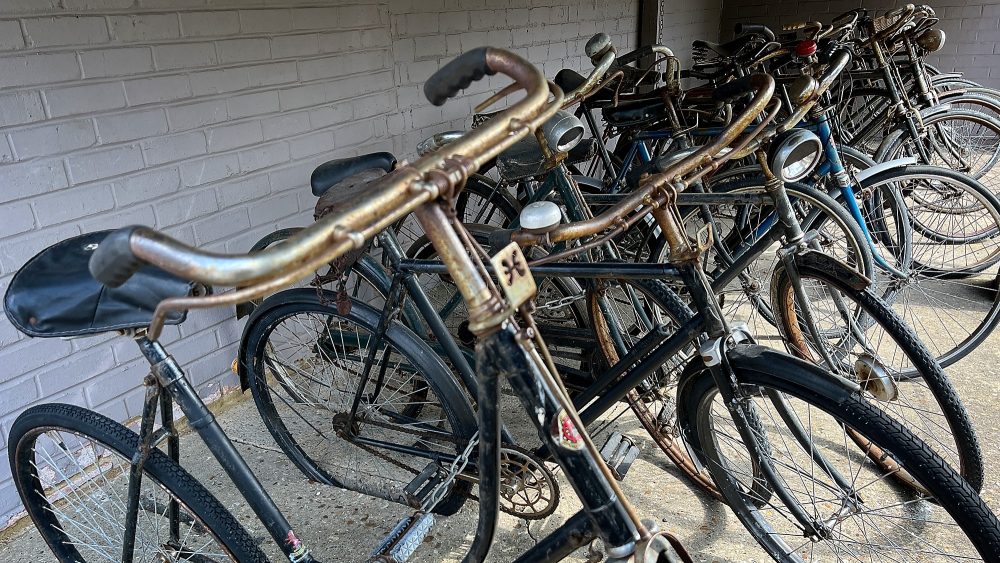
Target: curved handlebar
<point x="593" y="81"/>
<point x="390" y="198"/>
<point x="839" y="60"/>
<point x="762" y="87"/>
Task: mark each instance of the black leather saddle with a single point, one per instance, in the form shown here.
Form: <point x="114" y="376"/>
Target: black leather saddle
<point x="727" y="49"/>
<point x="55" y="295"/>
<point x="638" y="112"/>
<point x="330" y="173"/>
<point x="570" y="80"/>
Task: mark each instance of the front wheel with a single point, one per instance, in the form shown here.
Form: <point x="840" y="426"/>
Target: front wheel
<point x="71" y="467"/>
<point x="349" y="406"/>
<point x="853" y="333"/>
<point x="828" y="500"/>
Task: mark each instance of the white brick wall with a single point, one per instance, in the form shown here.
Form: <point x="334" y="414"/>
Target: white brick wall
<point x="972" y="27"/>
<point x="205" y="122"/>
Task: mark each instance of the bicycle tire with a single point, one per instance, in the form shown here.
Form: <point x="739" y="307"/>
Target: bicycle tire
<point x="903" y="371"/>
<point x="426" y="384"/>
<point x="772" y="378"/>
<point x="652" y="404"/>
<point x="196" y="502"/>
<point x="951" y="332"/>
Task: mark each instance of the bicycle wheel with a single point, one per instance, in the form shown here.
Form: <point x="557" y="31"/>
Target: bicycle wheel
<point x="633" y="308"/>
<point x="71" y="467"/>
<point x="849" y="509"/>
<point x="962" y="140"/>
<point x="305" y="364"/>
<point x="947" y="295"/>
<point x="855" y="335"/>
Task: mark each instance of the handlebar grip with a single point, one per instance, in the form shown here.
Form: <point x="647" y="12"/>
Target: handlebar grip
<point x="113" y="263"/>
<point x="733" y="89"/>
<point x="457" y="75"/>
<point x="753" y="28"/>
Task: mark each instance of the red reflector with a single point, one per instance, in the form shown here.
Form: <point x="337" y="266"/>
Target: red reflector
<point x="805" y="48"/>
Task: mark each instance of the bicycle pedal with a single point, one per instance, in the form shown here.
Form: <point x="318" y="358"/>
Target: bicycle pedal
<point x="619" y="452"/>
<point x="417" y="490"/>
<point x="404" y="539"/>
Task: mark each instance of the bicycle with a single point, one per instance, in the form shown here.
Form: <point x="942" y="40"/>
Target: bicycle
<point x="424" y="187"/>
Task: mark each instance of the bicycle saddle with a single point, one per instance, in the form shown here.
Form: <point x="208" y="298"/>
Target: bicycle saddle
<point x="570" y="80"/>
<point x="636" y="112"/>
<point x="55" y="295"/>
<point x="727" y="49"/>
<point x="330" y="173"/>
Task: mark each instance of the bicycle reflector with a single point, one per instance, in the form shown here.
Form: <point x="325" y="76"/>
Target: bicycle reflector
<point x="931" y="40"/>
<point x="794" y="154"/>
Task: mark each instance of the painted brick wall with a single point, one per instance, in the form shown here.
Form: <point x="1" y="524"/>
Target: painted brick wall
<point x="205" y="122"/>
<point x="683" y="21"/>
<point x="972" y="27"/>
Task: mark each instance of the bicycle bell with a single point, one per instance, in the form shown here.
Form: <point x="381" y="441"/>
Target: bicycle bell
<point x="540" y="217"/>
<point x="597" y="46"/>
<point x="931" y="40"/>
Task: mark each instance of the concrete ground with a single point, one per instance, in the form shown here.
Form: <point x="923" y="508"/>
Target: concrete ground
<point x="343" y="526"/>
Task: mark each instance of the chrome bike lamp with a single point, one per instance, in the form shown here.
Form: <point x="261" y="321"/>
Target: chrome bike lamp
<point x="794" y="154"/>
<point x="802" y="89"/>
<point x="931" y="40"/>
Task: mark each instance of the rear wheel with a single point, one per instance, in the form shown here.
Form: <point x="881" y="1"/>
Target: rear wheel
<point x="71" y="467"/>
<point x="306" y="365"/>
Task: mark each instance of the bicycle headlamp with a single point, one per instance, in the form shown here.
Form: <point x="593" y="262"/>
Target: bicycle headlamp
<point x="802" y="89"/>
<point x="794" y="154"/>
<point x="931" y="40"/>
<point x="563" y="131"/>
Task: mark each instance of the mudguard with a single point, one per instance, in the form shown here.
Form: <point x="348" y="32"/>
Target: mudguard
<point x="883" y="166"/>
<point x="765" y="366"/>
<point x="816" y="262"/>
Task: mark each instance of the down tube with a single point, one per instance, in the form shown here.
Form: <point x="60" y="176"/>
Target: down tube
<point x="505" y="353"/>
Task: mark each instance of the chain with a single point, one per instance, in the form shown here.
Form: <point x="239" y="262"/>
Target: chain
<point x="560" y="303"/>
<point x="456" y="467"/>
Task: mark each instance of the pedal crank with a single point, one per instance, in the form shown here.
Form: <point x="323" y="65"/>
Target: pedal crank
<point x="404" y="539"/>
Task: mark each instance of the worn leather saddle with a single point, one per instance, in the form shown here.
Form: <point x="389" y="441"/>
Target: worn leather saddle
<point x="55" y="295"/>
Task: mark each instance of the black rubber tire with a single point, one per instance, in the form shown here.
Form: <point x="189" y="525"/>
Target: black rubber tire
<point x="441" y="383"/>
<point x="764" y="369"/>
<point x="923" y="366"/>
<point x="992" y="317"/>
<point x="197" y="501"/>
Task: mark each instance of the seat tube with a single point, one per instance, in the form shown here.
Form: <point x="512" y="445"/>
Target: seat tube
<point x="171" y="378"/>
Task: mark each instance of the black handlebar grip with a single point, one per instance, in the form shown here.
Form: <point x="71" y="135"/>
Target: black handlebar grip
<point x="113" y="263"/>
<point x="733" y="89"/>
<point x="754" y="28"/>
<point x="457" y="75"/>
